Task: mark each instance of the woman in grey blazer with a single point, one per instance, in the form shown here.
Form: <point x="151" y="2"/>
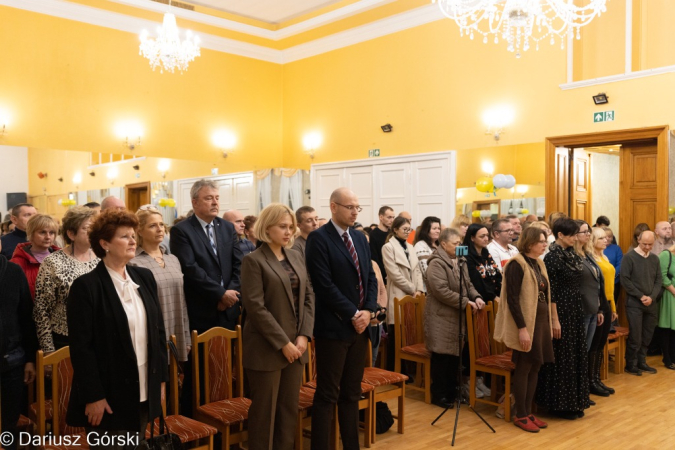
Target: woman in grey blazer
<point x="279" y="308"/>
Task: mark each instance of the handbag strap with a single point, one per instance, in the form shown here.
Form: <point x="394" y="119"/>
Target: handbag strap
<point x="174" y="353"/>
<point x="670" y="261"/>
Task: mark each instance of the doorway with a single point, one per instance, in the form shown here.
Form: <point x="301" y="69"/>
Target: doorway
<point x="643" y="177"/>
<point x="137" y="195"/>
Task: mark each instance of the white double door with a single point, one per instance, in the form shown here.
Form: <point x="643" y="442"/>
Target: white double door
<point x="236" y="191"/>
<point x="424" y="185"/>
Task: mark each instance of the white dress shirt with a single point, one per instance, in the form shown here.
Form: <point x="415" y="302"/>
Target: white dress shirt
<point x="135" y="310"/>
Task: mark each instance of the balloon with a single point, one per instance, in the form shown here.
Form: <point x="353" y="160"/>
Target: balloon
<point x="671" y="210"/>
<point x="171" y="203"/>
<point x="525" y="211"/>
<point x="60" y="202"/>
<point x="485" y="213"/>
<point x="475" y="214"/>
<point x="484" y="184"/>
<point x="499" y="181"/>
<point x="162" y="202"/>
<point x="510" y="181"/>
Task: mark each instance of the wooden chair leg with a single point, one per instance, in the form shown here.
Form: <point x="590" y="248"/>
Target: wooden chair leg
<point x="211" y="442"/>
<point x="373" y="414"/>
<point x="401" y="409"/>
<point x="225" y="444"/>
<point x="472" y="388"/>
<point x="335" y="431"/>
<point x="427" y="383"/>
<point x="298" y="433"/>
<point x="368" y="421"/>
<point x="507" y="399"/>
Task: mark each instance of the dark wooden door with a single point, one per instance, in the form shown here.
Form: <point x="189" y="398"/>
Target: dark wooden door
<point x="136" y="195"/>
<point x="562" y="180"/>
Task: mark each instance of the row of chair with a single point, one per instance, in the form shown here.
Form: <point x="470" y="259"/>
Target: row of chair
<point x="223" y="408"/>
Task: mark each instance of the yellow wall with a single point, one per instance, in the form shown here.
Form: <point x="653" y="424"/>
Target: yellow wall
<point x="67" y="84"/>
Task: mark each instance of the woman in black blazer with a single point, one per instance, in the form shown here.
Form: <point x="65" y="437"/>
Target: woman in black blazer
<point x="117" y="340"/>
<point x="279" y="305"/>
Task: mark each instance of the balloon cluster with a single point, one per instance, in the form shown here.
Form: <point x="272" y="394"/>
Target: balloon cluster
<point x="499" y="181"/>
<point x="66" y="202"/>
<point x="481" y="213"/>
<point x="167" y="202"/>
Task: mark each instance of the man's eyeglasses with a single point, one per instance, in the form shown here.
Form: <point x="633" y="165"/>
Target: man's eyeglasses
<point x="350" y="207"/>
<point x="505" y="231"/>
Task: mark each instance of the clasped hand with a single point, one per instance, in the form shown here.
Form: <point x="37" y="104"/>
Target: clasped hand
<point x="646" y="300"/>
<point x="361" y="321"/>
<point x="477" y="304"/>
<point x="230" y="297"/>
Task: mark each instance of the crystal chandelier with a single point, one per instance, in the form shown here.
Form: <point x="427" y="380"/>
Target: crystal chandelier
<point x="520" y="22"/>
<point x="168" y="51"/>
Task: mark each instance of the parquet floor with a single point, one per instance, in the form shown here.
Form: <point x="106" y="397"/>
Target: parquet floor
<point x="641" y="415"/>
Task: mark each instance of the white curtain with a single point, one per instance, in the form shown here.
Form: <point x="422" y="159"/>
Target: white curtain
<point x="284" y="188"/>
<point x="264" y="191"/>
<point x="295" y="190"/>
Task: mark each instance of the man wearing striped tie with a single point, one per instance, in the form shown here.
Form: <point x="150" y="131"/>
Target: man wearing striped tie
<point x="338" y="261"/>
<point x="210" y="257"/>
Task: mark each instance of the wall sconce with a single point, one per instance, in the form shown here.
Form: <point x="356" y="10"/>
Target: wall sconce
<point x="311" y="142"/>
<point x="600" y="99"/>
<point x="497" y="119"/>
<point x="92" y="173"/>
<point x="112" y="174"/>
<point x="130" y="133"/>
<point x="224" y="140"/>
<point x="42" y="175"/>
<point x="387" y="127"/>
<point x="60" y="179"/>
<point x="77" y="179"/>
<point x="163" y="167"/>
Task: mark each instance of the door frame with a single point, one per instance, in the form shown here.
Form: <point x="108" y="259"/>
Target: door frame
<point x="660" y="133"/>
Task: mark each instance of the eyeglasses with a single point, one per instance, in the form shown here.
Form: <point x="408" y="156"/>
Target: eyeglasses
<point x="350" y="207"/>
<point x="505" y="231"/>
<point x="406" y="230"/>
<point x="543" y="242"/>
<point x="584" y="232"/>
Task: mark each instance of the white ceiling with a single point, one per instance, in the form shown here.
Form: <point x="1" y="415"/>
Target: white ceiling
<point x="270" y="11"/>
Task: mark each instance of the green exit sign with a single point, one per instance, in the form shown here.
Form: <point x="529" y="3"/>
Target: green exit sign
<point x="373" y="153"/>
<point x="605" y="116"/>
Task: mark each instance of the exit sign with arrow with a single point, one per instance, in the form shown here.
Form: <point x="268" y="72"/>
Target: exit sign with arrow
<point x="605" y="116"/>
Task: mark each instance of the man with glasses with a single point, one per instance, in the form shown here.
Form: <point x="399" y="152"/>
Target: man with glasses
<point x="517" y="227"/>
<point x="500" y="248"/>
<point x="345" y="287"/>
<point x="379" y="236"/>
<point x="308" y="221"/>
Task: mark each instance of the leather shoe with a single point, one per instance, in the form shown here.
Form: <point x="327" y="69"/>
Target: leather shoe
<point x="591" y="402"/>
<point x="670" y="366"/>
<point x="538" y="422"/>
<point x="443" y="403"/>
<point x="607" y="388"/>
<point x="524" y="423"/>
<point x="633" y="371"/>
<point x="645" y="368"/>
<point x="595" y="389"/>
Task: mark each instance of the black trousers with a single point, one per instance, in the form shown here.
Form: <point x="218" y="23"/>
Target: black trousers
<point x="444" y="376"/>
<point x="642" y="322"/>
<point x="12" y="391"/>
<point x="339" y="371"/>
<point x="667" y="345"/>
<point x="601" y="333"/>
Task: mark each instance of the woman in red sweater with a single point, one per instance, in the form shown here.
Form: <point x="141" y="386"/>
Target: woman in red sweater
<point x="41" y="230"/>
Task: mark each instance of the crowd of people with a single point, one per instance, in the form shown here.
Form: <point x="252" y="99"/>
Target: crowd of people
<point x="113" y="285"/>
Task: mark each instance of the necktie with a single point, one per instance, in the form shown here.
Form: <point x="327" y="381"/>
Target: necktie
<point x="355" y="258"/>
<point x="209" y="231"/>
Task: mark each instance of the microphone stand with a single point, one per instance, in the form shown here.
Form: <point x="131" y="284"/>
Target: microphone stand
<point x="460" y="345"/>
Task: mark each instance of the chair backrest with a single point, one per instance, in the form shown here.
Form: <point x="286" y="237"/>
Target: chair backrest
<point x="216" y="347"/>
<point x="409" y="320"/>
<point x="62" y="380"/>
<point x="480" y="330"/>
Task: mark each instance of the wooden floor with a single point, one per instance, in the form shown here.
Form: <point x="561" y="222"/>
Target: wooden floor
<point x="641" y="415"/>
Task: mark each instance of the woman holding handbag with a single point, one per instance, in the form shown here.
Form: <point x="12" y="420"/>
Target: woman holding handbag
<point x="667" y="308"/>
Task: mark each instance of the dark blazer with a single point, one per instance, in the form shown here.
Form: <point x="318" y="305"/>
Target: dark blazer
<point x="592" y="289"/>
<point x="203" y="271"/>
<point x="270" y="309"/>
<point x="102" y="354"/>
<point x="336" y="281"/>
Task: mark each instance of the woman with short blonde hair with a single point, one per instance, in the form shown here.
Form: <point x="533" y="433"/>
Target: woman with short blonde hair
<point x="168" y="276"/>
<point x="461" y="222"/>
<point x="41" y="231"/>
<point x="279" y="304"/>
<point x="56" y="275"/>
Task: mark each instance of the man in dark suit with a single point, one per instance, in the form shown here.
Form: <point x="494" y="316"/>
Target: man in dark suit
<point x="210" y="257"/>
<point x="345" y="287"/>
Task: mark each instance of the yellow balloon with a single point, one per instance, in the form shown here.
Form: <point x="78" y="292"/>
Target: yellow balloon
<point x="475" y="214"/>
<point x="484" y="184"/>
<point x="171" y="203"/>
<point x="162" y="202"/>
<point x="671" y="210"/>
<point x="526" y="211"/>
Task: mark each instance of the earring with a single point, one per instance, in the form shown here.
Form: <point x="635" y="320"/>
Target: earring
<point x="107" y="250"/>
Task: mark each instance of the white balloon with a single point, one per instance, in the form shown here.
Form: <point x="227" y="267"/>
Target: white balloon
<point x="485" y="213"/>
<point x="60" y="202"/>
<point x="499" y="181"/>
<point x="510" y="181"/>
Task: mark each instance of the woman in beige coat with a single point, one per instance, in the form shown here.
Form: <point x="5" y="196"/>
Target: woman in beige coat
<point x="404" y="276"/>
<point x="523" y="322"/>
<point x="441" y="315"/>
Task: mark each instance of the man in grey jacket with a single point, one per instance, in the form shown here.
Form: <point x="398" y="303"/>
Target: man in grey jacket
<point x="641" y="278"/>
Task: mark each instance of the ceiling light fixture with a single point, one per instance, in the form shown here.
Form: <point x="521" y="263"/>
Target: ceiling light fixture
<point x="168" y="51"/>
<point x="520" y="21"/>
